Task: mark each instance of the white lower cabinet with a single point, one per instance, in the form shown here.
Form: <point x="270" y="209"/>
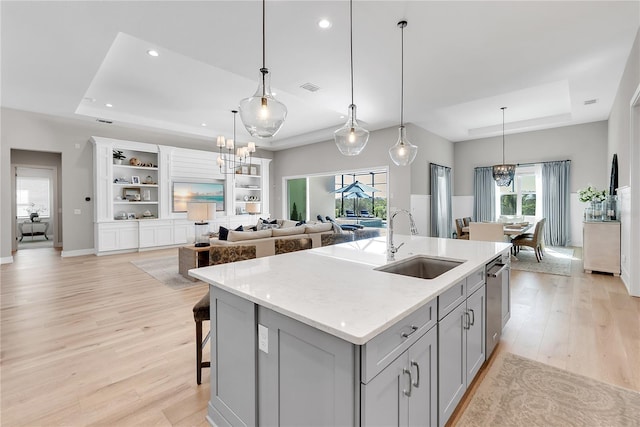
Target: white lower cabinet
<point x="156" y="233"/>
<point x="116" y="236"/>
<point x="461" y="351"/>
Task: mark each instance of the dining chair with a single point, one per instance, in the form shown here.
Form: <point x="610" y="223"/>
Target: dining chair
<point x="459" y="232"/>
<point x="486" y="231"/>
<point x="531" y="240"/>
<point x="466" y="221"/>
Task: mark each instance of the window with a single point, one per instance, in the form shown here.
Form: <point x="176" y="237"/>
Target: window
<point x="33" y="194"/>
<point x="522" y="197"/>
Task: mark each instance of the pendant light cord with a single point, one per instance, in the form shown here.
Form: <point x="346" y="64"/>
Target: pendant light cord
<point x="402" y="25"/>
<point x="264" y="70"/>
<point x="264" y="8"/>
<point x="351" y="43"/>
<point x="503" y="108"/>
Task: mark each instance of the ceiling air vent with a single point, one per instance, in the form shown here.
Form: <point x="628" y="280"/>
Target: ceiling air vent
<point x="590" y="101"/>
<point x="104" y="121"/>
<point x="310" y="87"/>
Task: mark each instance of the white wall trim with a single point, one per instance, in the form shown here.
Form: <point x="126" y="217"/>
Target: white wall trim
<point x="79" y="252"/>
<point x="6" y="260"/>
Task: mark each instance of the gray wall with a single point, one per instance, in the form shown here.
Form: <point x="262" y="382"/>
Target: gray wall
<point x="70" y="137"/>
<point x="321" y="200"/>
<point x="619" y="119"/>
<point x="585" y="145"/>
<point x="324" y="157"/>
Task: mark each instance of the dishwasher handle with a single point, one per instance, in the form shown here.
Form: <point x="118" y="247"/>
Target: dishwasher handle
<point x="498" y="272"/>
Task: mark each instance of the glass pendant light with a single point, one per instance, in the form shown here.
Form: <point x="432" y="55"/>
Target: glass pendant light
<point x="262" y="114"/>
<point x="404" y="152"/>
<point x="503" y="174"/>
<point x="351" y="138"/>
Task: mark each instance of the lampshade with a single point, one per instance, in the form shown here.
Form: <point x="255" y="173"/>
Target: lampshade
<point x="201" y="212"/>
<point x="253" y="208"/>
<point x="351" y="138"/>
<point x="503" y="174"/>
<point x="262" y="114"/>
<point x="403" y="152"/>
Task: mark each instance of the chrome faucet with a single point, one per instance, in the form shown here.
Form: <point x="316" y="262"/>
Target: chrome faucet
<point x="391" y="249"/>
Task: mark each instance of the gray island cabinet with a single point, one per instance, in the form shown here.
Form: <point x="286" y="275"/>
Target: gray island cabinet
<point x="319" y="337"/>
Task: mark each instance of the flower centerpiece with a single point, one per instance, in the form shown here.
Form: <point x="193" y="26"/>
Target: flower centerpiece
<point x="595" y="198"/>
<point x="34" y="212"/>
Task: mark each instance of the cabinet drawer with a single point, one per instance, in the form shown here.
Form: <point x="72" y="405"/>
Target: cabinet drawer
<point x="386" y="346"/>
<point x="451" y="298"/>
<point x="475" y="280"/>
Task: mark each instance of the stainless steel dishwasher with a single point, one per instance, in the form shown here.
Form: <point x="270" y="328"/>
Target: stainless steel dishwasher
<point x="498" y="299"/>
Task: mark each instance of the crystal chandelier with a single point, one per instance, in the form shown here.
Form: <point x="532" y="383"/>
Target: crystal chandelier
<point x="228" y="162"/>
<point x="403" y="152"/>
<point x="351" y="138"/>
<point x="503" y="174"/>
<point x="262" y="114"/>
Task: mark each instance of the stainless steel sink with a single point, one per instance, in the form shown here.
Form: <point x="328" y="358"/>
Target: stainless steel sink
<point x="422" y="267"/>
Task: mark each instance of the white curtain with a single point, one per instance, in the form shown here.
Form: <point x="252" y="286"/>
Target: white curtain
<point x="555" y="202"/>
<point x="440" y="201"/>
<point x="484" y="193"/>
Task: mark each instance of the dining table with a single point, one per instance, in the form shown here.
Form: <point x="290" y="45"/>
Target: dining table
<point x="512" y="230"/>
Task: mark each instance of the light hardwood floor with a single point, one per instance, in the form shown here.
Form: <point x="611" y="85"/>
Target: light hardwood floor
<point x="96" y="341"/>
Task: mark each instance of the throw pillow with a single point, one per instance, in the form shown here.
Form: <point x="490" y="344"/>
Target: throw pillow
<point x="248" y="235"/>
<point x="301" y="223"/>
<point x="223" y="233"/>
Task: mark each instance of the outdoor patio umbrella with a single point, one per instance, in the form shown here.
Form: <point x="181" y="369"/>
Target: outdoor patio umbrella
<point x="356" y="188"/>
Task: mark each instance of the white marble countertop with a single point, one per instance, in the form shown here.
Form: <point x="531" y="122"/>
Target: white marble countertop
<point x="336" y="289"/>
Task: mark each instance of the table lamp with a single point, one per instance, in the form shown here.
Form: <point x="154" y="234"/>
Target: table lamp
<point x="201" y="213"/>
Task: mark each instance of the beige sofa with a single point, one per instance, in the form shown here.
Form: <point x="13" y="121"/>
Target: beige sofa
<point x="320" y="234"/>
<point x="264" y="240"/>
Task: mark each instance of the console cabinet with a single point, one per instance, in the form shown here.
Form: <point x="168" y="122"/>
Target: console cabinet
<point x="601" y="246"/>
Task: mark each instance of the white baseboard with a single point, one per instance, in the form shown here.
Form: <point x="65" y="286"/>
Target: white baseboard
<point x="79" y="252"/>
<point x="6" y="260"/>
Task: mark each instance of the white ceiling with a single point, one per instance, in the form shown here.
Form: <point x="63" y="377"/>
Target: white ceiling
<point x="463" y="61"/>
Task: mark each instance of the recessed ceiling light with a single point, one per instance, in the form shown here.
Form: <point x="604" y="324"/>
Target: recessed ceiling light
<point x="108" y="105"/>
<point x="152" y="52"/>
<point x="203" y="124"/>
<point x="89" y="99"/>
<point x="324" y="24"/>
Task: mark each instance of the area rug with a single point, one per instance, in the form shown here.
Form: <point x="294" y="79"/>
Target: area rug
<point x="556" y="260"/>
<point x="521" y="392"/>
<point x="165" y="270"/>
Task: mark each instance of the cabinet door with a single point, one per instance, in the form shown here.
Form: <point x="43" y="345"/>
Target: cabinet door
<point x="384" y="400"/>
<point x="452" y="349"/>
<point x="423" y="357"/>
<point x="233" y="367"/>
<point x="306" y="376"/>
<point x="476" y="345"/>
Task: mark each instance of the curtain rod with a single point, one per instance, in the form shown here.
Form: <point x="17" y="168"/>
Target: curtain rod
<point x="538" y="163"/>
<point x="442" y="166"/>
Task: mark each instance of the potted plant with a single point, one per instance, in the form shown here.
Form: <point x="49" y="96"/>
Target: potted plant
<point x="118" y="157"/>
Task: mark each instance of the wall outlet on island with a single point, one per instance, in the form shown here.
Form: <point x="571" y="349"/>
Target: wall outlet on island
<point x="263" y="338"/>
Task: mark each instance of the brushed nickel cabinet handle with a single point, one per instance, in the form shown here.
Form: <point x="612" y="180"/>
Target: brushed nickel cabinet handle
<point x="413" y="329"/>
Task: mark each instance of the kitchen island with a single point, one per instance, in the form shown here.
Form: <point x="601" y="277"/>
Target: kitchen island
<point x="322" y="337"/>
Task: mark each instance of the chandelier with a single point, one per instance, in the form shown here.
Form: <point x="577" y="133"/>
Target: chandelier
<point x="503" y="174"/>
<point x="228" y="161"/>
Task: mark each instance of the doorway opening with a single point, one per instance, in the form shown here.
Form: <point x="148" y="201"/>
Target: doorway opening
<point x="36" y="199"/>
